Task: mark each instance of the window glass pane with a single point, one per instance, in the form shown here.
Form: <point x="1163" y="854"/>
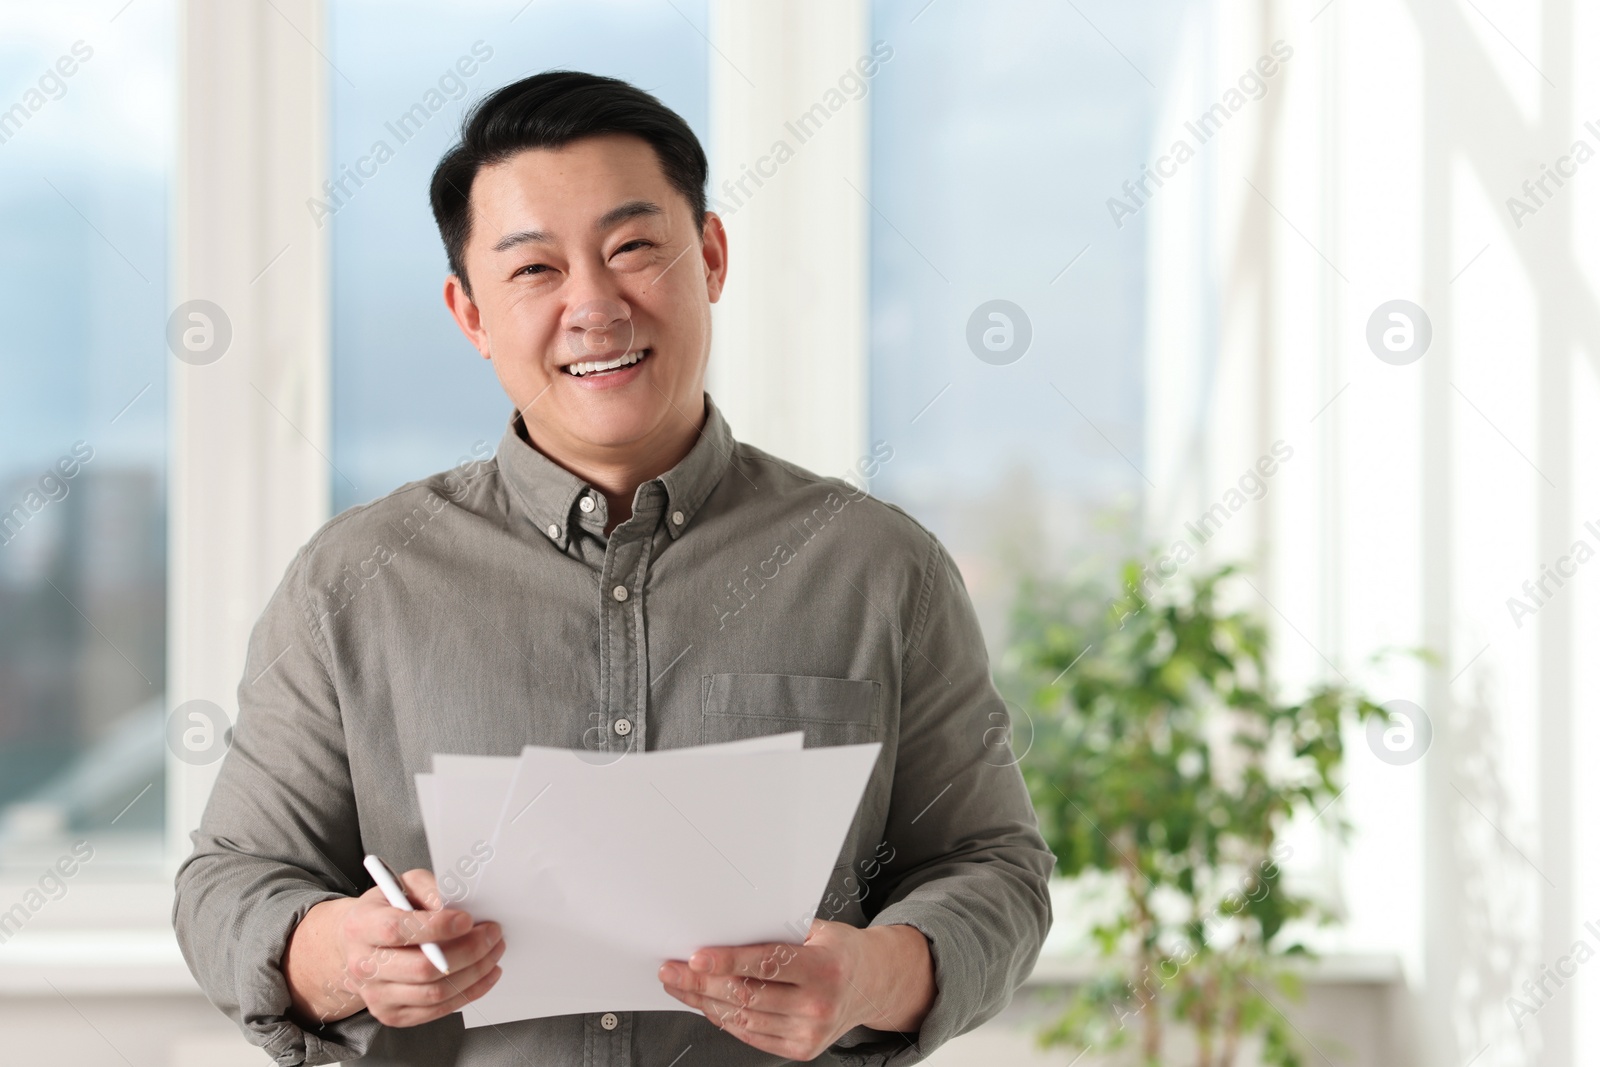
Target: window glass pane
<point x="410" y="395"/>
<point x="999" y="131"/>
<point x="86" y="136"/>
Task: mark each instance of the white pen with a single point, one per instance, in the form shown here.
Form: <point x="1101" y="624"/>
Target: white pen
<point x="389" y="882"/>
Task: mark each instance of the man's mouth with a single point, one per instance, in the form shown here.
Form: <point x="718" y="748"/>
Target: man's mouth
<point x="593" y="367"/>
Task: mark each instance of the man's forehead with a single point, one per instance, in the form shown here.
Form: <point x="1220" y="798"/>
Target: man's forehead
<point x="630" y="209"/>
<point x="632" y="185"/>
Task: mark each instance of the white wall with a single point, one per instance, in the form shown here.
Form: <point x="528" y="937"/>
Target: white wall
<point x="1420" y="497"/>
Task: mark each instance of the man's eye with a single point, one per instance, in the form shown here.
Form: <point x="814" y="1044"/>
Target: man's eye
<point x="534" y="268"/>
<point x="631" y="245"/>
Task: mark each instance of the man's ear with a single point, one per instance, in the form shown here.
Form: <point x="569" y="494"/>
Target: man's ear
<point x="465" y="312"/>
<point x="714" y="253"/>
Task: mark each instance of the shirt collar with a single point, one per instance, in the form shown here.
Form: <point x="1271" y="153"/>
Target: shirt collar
<point x="547" y="493"/>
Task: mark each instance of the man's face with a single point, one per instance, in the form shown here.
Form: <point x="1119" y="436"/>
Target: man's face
<point x="591" y="294"/>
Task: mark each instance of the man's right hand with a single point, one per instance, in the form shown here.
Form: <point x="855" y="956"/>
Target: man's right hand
<point x="359" y="952"/>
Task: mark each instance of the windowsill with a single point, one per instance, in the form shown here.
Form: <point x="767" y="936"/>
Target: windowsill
<point x="1331" y="969"/>
<point x="120" y="962"/>
<point x="131" y="903"/>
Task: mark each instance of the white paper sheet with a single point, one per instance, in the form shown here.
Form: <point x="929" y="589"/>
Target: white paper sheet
<point x="462" y="789"/>
<point x="601" y="872"/>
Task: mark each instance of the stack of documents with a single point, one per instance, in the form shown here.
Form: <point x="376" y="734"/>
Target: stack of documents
<point x="599" y="867"/>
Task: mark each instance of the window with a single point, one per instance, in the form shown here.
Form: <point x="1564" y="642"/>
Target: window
<point x="86" y="135"/>
<point x="1007" y="310"/>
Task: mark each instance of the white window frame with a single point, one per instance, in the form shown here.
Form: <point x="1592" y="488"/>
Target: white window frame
<point x="789" y="351"/>
<point x="249" y="467"/>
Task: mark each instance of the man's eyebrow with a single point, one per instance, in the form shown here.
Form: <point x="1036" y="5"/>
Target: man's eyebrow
<point x="633" y="209"/>
<point x="521" y="237"/>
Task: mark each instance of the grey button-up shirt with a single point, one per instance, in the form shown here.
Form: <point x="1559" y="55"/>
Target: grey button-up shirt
<point x="485" y="609"/>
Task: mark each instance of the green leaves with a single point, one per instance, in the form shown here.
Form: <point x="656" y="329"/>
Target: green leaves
<point x="1164" y="754"/>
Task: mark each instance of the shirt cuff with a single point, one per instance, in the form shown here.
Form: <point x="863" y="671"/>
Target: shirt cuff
<point x="959" y="983"/>
<point x="263" y="993"/>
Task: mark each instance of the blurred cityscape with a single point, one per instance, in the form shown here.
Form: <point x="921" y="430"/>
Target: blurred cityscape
<point x="82" y="669"/>
<point x="84" y="190"/>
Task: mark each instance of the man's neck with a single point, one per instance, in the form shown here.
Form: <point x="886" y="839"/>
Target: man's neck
<point x="618" y="472"/>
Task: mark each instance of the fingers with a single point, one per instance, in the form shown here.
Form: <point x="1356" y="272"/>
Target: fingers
<point x="771" y="962"/>
<point x="793" y="1037"/>
<point x="735" y="991"/>
<point x="403" y="1005"/>
<point x="416" y="927"/>
<point x="788" y="1000"/>
<point x="375" y="923"/>
<point x="468" y="949"/>
<point x="416" y="981"/>
<point x="421" y="887"/>
<point x="470" y="993"/>
<point x="396" y="981"/>
<point x="737" y="1018"/>
<point x="408" y="965"/>
<point x="469" y="973"/>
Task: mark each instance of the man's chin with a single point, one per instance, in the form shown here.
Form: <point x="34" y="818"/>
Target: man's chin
<point x="608" y="426"/>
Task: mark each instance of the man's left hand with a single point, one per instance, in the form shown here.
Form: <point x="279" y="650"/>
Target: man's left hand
<point x="796" y="1000"/>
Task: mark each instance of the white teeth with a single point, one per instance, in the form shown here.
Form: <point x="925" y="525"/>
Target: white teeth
<point x="626" y="360"/>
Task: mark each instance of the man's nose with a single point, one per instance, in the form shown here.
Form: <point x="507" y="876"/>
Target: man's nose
<point x="599" y="325"/>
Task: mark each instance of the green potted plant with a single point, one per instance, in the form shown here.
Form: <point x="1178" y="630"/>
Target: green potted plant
<point x="1164" y="758"/>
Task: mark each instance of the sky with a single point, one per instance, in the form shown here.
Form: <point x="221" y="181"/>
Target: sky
<point x="83" y="263"/>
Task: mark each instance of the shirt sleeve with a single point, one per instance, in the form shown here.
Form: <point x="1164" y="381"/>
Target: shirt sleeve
<point x="970" y="869"/>
<point x="279" y="835"/>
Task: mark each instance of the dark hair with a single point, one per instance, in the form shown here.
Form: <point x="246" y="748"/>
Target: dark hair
<point x="550" y="110"/>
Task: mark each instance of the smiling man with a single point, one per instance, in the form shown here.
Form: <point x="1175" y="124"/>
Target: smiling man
<point x="623" y="575"/>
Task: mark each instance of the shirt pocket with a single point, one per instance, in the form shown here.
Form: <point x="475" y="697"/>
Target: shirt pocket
<point x="830" y="711"/>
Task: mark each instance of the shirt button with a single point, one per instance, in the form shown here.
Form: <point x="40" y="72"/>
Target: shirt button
<point x="553" y="530"/>
<point x="623" y="727"/>
<point x="677" y="518"/>
<point x="586" y="504"/>
<point x="620" y="593"/>
<point x="609" y="1020"/>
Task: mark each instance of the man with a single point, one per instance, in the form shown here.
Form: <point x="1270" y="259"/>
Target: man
<point x="623" y="575"/>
